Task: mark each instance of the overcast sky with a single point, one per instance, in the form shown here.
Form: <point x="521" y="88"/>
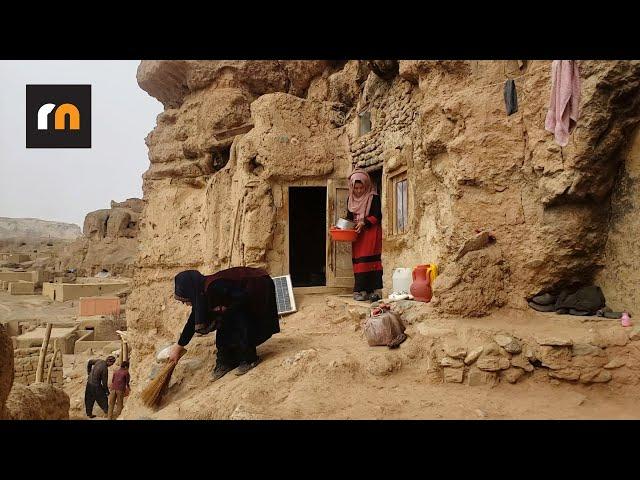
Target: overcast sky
<point x="65" y="184"/>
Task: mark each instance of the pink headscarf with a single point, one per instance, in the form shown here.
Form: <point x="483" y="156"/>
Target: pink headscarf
<point x="360" y="206"/>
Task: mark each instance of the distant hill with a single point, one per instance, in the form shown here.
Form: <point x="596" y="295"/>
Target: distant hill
<point x="34" y="228"/>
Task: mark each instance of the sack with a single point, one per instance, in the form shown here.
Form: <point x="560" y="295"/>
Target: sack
<point x="384" y="329"/>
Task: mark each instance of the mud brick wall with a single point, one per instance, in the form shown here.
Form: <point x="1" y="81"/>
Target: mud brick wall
<point x="25" y="364"/>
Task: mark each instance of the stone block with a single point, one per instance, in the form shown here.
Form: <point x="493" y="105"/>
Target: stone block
<point x="492" y="363"/>
<point x="476" y="377"/>
<point x="453" y="375"/>
<point x="555" y="357"/>
<point x="512" y="375"/>
<point x="455" y="350"/>
<point x="473" y="355"/>
<point x="595" y="376"/>
<point x="571" y="374"/>
<point x="451" y="362"/>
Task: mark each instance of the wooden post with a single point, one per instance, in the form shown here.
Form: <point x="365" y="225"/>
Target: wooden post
<point x="125" y="351"/>
<point x="43" y="353"/>
<point x="53" y="361"/>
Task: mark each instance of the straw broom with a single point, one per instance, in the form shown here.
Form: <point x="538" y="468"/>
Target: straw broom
<point x="153" y="392"/>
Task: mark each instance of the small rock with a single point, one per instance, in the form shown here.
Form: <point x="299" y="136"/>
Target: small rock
<point x="634" y="334"/>
<point x="530" y="353"/>
<point x="492" y="363"/>
<point x="473" y="355"/>
<point x="451" y="362"/>
<point x="478" y="377"/>
<point x="512" y="375"/>
<point x="554" y="341"/>
<point x="616" y="363"/>
<point x="521" y="361"/>
<point x="579" y="349"/>
<point x="513" y="347"/>
<point x="331" y="303"/>
<point x="503" y="340"/>
<point x="555" y="358"/>
<point x="455" y="350"/>
<point x="555" y="382"/>
<point x="595" y="376"/>
<point x="570" y="374"/>
<point x="491" y="349"/>
<point x="453" y="375"/>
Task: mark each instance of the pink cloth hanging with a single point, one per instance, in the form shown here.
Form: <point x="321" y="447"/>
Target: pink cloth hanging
<point x="564" y="105"/>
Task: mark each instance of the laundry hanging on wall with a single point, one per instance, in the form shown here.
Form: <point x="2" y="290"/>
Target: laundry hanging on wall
<point x="564" y="104"/>
<point x="510" y="97"/>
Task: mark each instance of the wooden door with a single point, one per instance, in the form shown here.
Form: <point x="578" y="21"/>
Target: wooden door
<point x="339" y="266"/>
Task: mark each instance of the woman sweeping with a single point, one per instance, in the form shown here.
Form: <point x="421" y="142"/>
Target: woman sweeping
<point x="239" y="303"/>
<point x="364" y="208"/>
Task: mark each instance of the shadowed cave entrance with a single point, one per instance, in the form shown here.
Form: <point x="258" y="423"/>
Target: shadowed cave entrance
<point x="307" y="236"/>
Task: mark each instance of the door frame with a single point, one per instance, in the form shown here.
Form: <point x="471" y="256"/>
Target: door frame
<point x="332" y="280"/>
<point x="285" y="207"/>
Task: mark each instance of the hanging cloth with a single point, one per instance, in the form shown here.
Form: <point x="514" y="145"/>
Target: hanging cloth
<point x="564" y="105"/>
<point x="510" y="97"/>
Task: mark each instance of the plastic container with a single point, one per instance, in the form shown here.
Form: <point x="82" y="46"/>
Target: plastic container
<point x="338" y="235"/>
<point x="421" y="286"/>
<point x="625" y="320"/>
<point x="401" y="280"/>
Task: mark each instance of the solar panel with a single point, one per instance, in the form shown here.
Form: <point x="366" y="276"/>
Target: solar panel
<point x="284" y="294"/>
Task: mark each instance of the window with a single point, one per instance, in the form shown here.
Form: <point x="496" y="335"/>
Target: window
<point x="364" y="122"/>
<point x="399" y="203"/>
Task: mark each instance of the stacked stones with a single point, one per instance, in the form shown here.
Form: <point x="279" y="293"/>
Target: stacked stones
<point x="25" y="364"/>
<point x="611" y="354"/>
<point x="397" y="113"/>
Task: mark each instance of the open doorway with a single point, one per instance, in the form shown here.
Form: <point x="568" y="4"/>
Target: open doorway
<point x="307" y="236"/>
<point x="376" y="179"/>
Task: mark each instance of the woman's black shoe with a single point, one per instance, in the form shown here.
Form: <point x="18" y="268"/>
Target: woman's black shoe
<point x="220" y="371"/>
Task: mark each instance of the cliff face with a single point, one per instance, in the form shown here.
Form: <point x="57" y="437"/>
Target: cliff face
<point x="109" y="241"/>
<point x="35" y="229"/>
<point x="235" y="134"/>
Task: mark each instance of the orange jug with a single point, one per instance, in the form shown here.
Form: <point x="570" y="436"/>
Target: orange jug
<point x="421" y="286"/>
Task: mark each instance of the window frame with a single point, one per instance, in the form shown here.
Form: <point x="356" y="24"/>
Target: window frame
<point x="392" y="202"/>
<point x="360" y="115"/>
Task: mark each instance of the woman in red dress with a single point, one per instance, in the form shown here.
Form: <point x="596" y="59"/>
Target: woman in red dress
<point x="365" y="209"/>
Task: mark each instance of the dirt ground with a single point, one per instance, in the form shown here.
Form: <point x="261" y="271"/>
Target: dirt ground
<point x="317" y="369"/>
<point x="320" y="367"/>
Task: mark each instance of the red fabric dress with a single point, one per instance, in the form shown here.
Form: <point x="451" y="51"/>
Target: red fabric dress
<point x="367" y="250"/>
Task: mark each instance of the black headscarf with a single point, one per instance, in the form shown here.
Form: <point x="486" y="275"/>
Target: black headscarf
<point x="190" y="285"/>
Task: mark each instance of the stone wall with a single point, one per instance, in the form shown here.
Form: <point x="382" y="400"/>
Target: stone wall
<point x="26" y="364"/>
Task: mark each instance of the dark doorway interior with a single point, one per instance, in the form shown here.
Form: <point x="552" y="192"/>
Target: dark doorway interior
<point x="307" y="236"/>
<point x="376" y="179"/>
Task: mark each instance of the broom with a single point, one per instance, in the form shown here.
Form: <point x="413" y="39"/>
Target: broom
<point x="153" y="392"/>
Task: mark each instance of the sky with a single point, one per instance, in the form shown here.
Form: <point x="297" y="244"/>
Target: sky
<point x="65" y="184"/>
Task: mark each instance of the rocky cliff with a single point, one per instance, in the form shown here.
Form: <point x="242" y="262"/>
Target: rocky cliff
<point x="234" y="134"/>
<point x="35" y="229"/>
<point x="109" y="241"/>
